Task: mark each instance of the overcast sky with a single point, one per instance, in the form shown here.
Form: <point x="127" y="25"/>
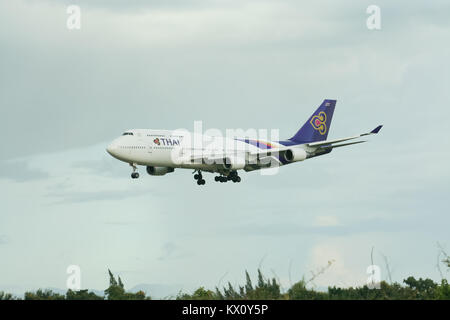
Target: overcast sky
<point x="231" y="64"/>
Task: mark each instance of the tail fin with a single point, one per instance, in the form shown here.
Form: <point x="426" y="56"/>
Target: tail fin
<point x="318" y="125"/>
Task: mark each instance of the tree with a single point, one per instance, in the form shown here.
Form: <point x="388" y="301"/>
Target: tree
<point x="6" y="296"/>
<point x="299" y="292"/>
<point x="443" y="291"/>
<point x="116" y="291"/>
<point x="423" y="288"/>
<point x="82" y="295"/>
<point x="43" y="295"/>
<point x="199" y="294"/>
<point x="264" y="290"/>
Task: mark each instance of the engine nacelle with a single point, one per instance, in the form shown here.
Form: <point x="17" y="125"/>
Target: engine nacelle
<point x="159" y="171"/>
<point x="233" y="163"/>
<point x="295" y="154"/>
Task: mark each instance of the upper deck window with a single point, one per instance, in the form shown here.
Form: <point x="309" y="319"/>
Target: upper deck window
<point x="127" y="133"/>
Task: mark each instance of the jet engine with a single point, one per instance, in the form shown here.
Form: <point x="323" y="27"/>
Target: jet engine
<point x="159" y="171"/>
<point x="233" y="163"/>
<point x="294" y="154"/>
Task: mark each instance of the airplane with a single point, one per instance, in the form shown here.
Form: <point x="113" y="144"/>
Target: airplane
<point x="163" y="151"/>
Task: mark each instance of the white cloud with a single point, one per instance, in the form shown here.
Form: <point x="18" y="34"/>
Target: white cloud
<point x="341" y="273"/>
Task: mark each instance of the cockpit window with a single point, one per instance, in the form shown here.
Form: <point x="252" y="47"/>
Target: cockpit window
<point x="127" y="133"/>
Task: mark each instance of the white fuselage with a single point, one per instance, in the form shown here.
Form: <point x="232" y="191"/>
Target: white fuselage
<point x="181" y="149"/>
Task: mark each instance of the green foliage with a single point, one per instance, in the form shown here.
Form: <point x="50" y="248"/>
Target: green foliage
<point x="82" y="295"/>
<point x="267" y="289"/>
<point x="199" y="294"/>
<point x="299" y="292"/>
<point x="422" y="288"/>
<point x="385" y="292"/>
<point x="447" y="261"/>
<point x="6" y="296"/>
<point x="116" y="291"/>
<point x="443" y="291"/>
<point x="43" y="295"/>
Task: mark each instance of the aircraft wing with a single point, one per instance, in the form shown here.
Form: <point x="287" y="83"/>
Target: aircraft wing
<point x="219" y="156"/>
<point x="331" y="142"/>
<point x="215" y="156"/>
<point x="269" y="151"/>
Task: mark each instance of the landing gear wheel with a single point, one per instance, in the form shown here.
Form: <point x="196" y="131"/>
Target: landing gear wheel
<point x="236" y="179"/>
<point x="134" y="175"/>
<point x="217" y="178"/>
<point x="198" y="176"/>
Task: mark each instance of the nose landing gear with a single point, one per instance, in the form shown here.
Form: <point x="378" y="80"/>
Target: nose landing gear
<point x="135" y="174"/>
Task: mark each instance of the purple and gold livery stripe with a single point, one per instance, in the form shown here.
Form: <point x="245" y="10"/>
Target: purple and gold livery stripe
<point x="258" y="143"/>
<point x="263" y="145"/>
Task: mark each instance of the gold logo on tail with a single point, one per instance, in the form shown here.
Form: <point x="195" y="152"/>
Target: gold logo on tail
<point x="318" y="122"/>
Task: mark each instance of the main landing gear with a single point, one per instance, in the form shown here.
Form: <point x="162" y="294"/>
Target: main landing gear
<point x="135" y="174"/>
<point x="198" y="176"/>
<point x="233" y="176"/>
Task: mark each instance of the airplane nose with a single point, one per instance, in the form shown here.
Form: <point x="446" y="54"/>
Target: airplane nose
<point x="110" y="149"/>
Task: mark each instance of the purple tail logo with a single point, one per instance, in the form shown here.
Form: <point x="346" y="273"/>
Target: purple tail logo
<point x="318" y="122"/>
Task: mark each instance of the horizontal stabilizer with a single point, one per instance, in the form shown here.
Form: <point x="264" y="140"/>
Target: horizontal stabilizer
<point x="374" y="131"/>
<point x="377" y="129"/>
<point x="330" y="142"/>
<point x="347" y="144"/>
